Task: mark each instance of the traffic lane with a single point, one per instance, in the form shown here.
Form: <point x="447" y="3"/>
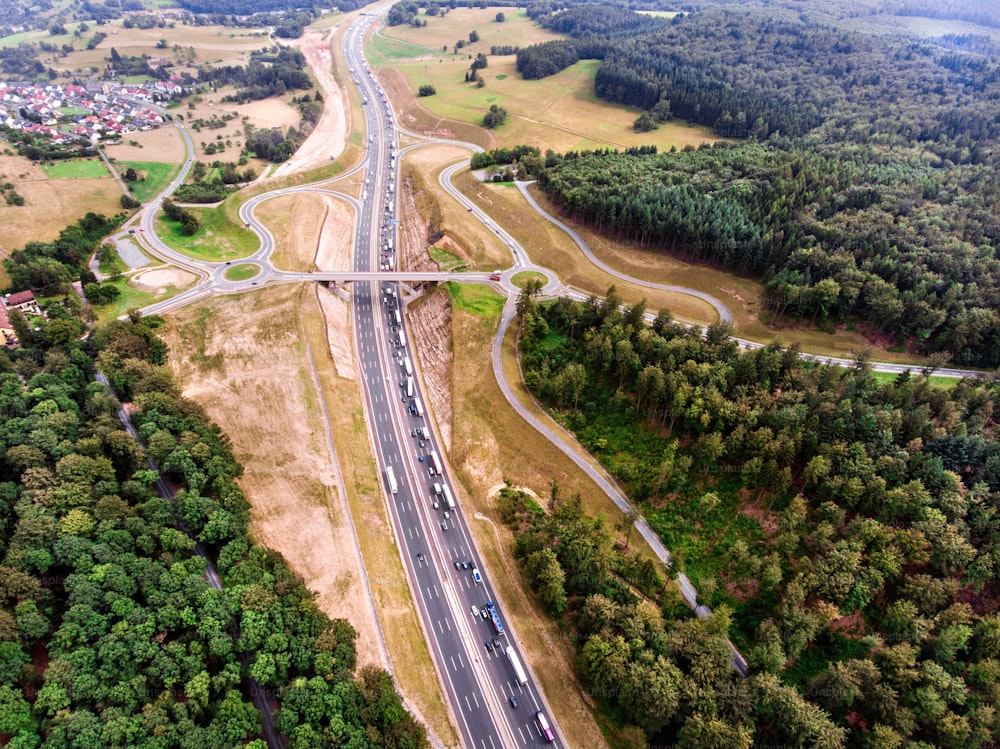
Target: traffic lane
<point x="454" y="656"/>
<point x="451" y="656"/>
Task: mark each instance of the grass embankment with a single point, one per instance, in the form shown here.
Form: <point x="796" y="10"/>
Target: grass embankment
<point x="475" y="299"/>
<point x="218" y="239"/>
<point x="447" y="261"/>
<point x="551" y="247"/>
<point x="934" y="380"/>
<point x="156" y="175"/>
<point x="129" y="298"/>
<point x="491" y="444"/>
<point x="242" y="272"/>
<point x="520" y="280"/>
<point x="75" y="169"/>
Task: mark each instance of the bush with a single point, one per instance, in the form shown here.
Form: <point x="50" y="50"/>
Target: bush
<point x="427" y="90"/>
<point x="495" y="117"/>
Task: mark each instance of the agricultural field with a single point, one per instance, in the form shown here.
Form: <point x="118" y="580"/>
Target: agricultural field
<point x="162" y="144"/>
<point x="559" y="112"/>
<point x="75" y="169"/>
<point x="50" y="205"/>
<point x="155" y="176"/>
<point x="209" y="120"/>
<point x="185" y="45"/>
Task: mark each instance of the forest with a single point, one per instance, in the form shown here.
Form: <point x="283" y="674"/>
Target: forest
<point x="858" y="184"/>
<point x="110" y="634"/>
<point x="844" y="531"/>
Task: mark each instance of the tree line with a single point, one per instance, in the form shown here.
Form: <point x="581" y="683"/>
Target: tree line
<point x="52" y="266"/>
<point x="266" y="74"/>
<point x="841" y="529"/>
<point x="856" y="202"/>
<point x="109" y="633"/>
<point x="835" y="232"/>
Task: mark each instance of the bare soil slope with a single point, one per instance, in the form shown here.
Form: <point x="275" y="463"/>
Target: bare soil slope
<point x="430" y="322"/>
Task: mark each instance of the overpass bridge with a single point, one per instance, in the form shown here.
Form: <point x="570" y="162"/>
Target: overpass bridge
<point x="340" y="278"/>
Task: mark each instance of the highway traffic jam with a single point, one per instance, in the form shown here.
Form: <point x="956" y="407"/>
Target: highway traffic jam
<point x="490" y="691"/>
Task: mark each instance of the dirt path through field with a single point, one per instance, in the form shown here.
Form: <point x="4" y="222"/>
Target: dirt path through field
<point x="329" y="138"/>
<point x="242" y="359"/>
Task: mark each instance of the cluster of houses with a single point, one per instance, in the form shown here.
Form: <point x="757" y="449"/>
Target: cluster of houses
<point x="91" y="111"/>
<point x="25" y="302"/>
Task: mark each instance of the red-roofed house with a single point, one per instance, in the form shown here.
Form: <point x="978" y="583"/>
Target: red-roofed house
<point x="24" y="301"/>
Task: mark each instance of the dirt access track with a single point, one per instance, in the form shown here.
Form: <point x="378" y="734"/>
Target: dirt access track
<point x="329" y="138"/>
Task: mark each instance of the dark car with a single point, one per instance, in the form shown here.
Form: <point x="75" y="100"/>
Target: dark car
<point x="513" y="701"/>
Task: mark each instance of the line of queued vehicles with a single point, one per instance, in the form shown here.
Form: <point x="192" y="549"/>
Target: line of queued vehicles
<point x="440" y="492"/>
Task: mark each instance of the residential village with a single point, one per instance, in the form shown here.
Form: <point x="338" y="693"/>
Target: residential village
<point x="94" y="111"/>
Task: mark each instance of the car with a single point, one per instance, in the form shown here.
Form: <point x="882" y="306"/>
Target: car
<point x="513" y="701"/>
<point x="435" y="504"/>
<point x="474" y="610"/>
<point x="489" y="646"/>
<point x="444" y="525"/>
<point x="430" y="471"/>
<point x="420" y="556"/>
<point x="484" y="613"/>
<point x="496" y="643"/>
<point x="458" y="565"/>
<point x="447" y="514"/>
<point x="465" y="565"/>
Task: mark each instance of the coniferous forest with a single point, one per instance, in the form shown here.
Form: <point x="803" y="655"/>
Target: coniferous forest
<point x="859" y="181"/>
<point x="844" y="531"/>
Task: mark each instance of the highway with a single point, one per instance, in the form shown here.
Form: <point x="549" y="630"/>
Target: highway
<point x="433" y="537"/>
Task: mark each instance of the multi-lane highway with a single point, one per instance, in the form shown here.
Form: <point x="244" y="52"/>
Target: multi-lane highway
<point x="494" y="700"/>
